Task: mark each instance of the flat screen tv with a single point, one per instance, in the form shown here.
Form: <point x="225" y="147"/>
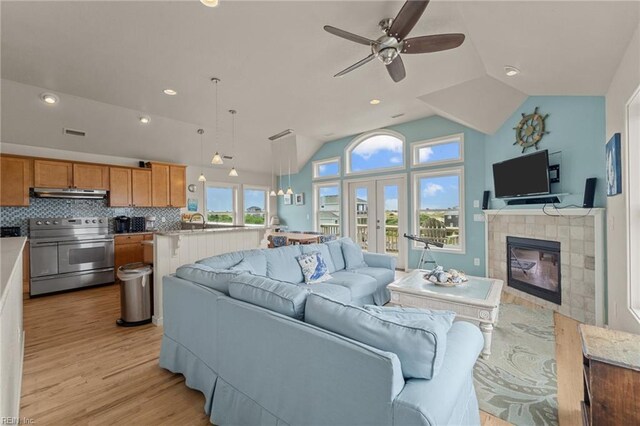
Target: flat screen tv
<point x="522" y="176"/>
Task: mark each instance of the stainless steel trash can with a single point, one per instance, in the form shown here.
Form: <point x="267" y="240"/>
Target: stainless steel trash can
<point x="135" y="294"/>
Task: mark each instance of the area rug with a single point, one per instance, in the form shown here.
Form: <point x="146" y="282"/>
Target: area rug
<point x="518" y="383"/>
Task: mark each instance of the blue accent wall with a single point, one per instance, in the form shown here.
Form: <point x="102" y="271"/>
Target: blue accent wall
<point x="576" y="126"/>
<point x="301" y="217"/>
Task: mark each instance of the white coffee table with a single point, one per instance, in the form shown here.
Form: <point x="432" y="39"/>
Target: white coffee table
<point x="478" y="299"/>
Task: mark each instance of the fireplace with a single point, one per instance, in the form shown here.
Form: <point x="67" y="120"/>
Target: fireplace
<point x="533" y="266"/>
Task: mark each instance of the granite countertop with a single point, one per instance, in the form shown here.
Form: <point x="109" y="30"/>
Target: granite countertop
<point x="10" y="249"/>
<point x="209" y="230"/>
<point x="611" y="346"/>
<point x="117" y="234"/>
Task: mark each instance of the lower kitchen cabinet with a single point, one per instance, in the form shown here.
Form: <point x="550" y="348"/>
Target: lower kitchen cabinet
<point x="128" y="249"/>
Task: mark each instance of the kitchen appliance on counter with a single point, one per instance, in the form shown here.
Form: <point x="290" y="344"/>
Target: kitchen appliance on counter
<point x="9" y="231"/>
<point x="69" y="253"/>
<point x="138" y="224"/>
<point x="121" y="224"/>
<point x="150" y="223"/>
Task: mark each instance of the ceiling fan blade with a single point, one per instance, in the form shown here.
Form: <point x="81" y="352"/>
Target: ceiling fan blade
<point x="407" y="18"/>
<point x="432" y="43"/>
<point x="356" y="65"/>
<point x="396" y="69"/>
<point x="349" y="36"/>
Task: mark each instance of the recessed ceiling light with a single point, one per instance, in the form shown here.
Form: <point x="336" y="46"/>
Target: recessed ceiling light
<point x="170" y="92"/>
<point x="374" y="101"/>
<point x="511" y="71"/>
<point x="209" y="3"/>
<point x="49" y="98"/>
<point x="145" y="120"/>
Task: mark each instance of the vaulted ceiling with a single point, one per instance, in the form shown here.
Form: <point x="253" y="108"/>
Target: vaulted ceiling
<point x="110" y="61"/>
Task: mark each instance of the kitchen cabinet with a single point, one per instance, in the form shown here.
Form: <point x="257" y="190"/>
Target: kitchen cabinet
<point x="141" y="187"/>
<point x="128" y="249"/>
<point x="15" y="180"/>
<point x="120" y="187"/>
<point x="178" y="186"/>
<point x="52" y="174"/>
<point x="160" y="185"/>
<point x="90" y="176"/>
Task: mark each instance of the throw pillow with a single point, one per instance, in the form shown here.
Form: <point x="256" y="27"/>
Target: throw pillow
<point x="313" y="267"/>
<point x="353" y="256"/>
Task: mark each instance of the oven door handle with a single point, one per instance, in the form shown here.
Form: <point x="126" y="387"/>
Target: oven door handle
<point x="37" y="244"/>
<point x="75" y="243"/>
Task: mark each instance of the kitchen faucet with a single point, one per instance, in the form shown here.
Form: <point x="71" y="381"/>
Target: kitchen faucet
<point x="204" y="221"/>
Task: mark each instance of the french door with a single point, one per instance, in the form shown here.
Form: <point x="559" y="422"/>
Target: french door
<point x="377" y="215"/>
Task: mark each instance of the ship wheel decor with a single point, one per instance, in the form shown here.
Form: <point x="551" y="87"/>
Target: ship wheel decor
<point x="530" y="130"/>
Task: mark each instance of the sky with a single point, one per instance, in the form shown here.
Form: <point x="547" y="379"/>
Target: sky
<point x="221" y="199"/>
<point x="439" y="192"/>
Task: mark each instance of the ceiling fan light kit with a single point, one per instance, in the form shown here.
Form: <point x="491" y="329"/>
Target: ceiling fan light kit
<point x="388" y="47"/>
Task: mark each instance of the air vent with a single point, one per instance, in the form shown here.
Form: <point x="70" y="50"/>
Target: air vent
<point x="398" y="115"/>
<point x="73" y="132"/>
<point x="280" y="135"/>
<point x="227" y="157"/>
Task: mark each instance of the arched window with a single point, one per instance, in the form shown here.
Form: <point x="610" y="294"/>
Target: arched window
<point x="377" y="150"/>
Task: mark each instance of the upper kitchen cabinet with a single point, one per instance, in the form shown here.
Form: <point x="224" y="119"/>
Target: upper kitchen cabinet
<point x="160" y="185"/>
<point x="178" y="186"/>
<point x="15" y="180"/>
<point x="52" y="174"/>
<point x="120" y="187"/>
<point x="141" y="187"/>
<point x="90" y="176"/>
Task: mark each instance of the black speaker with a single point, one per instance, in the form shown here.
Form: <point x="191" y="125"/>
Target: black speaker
<point x="589" y="192"/>
<point x="485" y="200"/>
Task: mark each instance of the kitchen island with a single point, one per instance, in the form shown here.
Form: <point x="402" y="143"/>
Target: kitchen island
<point x="11" y="330"/>
<point x="172" y="249"/>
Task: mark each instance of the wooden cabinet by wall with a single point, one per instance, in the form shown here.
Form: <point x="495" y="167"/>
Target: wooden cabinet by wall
<point x="128" y="249"/>
<point x="160" y="185"/>
<point x="15" y="180"/>
<point x="52" y="174"/>
<point x="178" y="186"/>
<point x="90" y="176"/>
<point x="141" y="187"/>
<point x="120" y="187"/>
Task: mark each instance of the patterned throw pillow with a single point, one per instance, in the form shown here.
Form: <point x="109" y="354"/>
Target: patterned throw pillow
<point x="313" y="267"/>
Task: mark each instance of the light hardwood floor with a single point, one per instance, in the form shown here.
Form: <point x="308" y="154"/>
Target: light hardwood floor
<point x="82" y="369"/>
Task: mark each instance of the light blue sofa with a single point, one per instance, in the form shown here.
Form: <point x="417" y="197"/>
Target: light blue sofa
<point x="260" y="363"/>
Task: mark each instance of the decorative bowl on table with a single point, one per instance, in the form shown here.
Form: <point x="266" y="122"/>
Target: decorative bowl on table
<point x="450" y="278"/>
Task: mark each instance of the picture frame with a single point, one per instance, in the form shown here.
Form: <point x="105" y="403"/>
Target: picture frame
<point x="287" y="199"/>
<point x="299" y="199"/>
<point x="613" y="160"/>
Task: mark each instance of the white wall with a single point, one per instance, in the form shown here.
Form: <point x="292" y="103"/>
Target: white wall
<point x="623" y="85"/>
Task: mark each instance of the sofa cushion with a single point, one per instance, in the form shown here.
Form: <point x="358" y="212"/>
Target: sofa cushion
<point x="419" y="344"/>
<point x="282" y="297"/>
<point x="417" y="313"/>
<point x="217" y="279"/>
<point x="335" y="249"/>
<point x="332" y="291"/>
<point x="258" y="262"/>
<point x="360" y="285"/>
<point x="382" y="276"/>
<point x="353" y="257"/>
<point x="226" y="260"/>
<point x="243" y="266"/>
<point x="314" y="269"/>
<point x="324" y="251"/>
<point x="282" y="264"/>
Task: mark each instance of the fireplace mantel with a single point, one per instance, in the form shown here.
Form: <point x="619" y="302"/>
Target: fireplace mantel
<point x="581" y="234"/>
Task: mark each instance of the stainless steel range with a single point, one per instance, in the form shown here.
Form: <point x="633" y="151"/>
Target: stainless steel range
<point x="68" y="253"/>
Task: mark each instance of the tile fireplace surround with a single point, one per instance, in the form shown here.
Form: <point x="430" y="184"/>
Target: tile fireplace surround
<point x="581" y="236"/>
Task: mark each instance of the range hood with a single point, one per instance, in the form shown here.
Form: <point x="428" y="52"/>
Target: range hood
<point x="92" y="194"/>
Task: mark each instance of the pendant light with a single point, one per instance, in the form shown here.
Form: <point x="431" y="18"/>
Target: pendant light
<point x="233" y="172"/>
<point x="280" y="191"/>
<point x="217" y="158"/>
<point x="201" y="178"/>
<point x="272" y="193"/>
<point x="289" y="190"/>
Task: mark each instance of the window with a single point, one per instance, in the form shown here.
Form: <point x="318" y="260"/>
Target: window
<point x="220" y="200"/>
<point x="329" y="168"/>
<point x="449" y="149"/>
<point x="374" y="151"/>
<point x="327" y="207"/>
<point x="438" y="200"/>
<point x="255" y="206"/>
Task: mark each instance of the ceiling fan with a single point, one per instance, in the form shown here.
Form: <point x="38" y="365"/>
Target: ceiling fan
<point x="388" y="47"/>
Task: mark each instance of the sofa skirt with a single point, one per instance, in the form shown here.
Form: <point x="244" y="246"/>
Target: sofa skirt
<point x="232" y="407"/>
<point x="198" y="375"/>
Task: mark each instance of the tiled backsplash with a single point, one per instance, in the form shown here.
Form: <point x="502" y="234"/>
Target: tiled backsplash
<point x="51" y="207"/>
